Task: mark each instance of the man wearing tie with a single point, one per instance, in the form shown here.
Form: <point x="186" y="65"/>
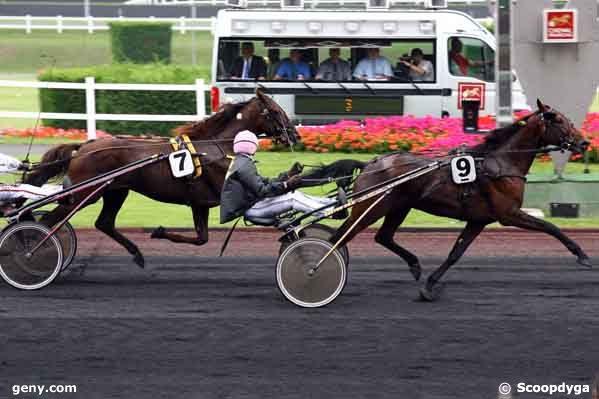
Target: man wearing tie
<point x="293" y="68"/>
<point x="248" y="66"/>
<point x="373" y="67"/>
<point x="334" y="68"/>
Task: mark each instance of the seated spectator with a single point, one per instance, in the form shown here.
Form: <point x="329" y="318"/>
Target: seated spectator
<point x="248" y="66"/>
<point x="458" y="63"/>
<point x="419" y="69"/>
<point x="293" y="68"/>
<point x="373" y="67"/>
<point x="334" y="68"/>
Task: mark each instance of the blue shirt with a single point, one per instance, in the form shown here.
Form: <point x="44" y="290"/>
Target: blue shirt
<point x="288" y="70"/>
<point x="370" y="68"/>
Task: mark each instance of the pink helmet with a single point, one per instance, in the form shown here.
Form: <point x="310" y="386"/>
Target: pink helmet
<point x="245" y="142"/>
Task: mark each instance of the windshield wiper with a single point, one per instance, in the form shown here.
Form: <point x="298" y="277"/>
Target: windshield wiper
<point x="343" y="87"/>
<point x="368" y="87"/>
<point x="409" y="80"/>
<point x="312" y="89"/>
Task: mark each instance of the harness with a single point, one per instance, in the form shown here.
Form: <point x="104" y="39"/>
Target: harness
<point x="183" y="142"/>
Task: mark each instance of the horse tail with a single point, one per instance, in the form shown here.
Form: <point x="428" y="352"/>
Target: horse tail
<point x="54" y="164"/>
<point x="342" y="171"/>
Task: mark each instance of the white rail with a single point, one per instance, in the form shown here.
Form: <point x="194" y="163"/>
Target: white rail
<point x="221" y="3"/>
<point x="90" y="115"/>
<point x="94" y="24"/>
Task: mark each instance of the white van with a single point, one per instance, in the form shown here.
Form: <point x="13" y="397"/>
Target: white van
<point x="459" y="51"/>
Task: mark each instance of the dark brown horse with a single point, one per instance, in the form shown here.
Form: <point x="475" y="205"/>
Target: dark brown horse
<point x="212" y="137"/>
<point x="496" y="196"/>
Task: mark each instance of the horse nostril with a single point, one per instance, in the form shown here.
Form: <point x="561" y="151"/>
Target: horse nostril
<point x="585" y="144"/>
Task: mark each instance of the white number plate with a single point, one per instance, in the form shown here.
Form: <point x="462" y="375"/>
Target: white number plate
<point x="181" y="163"/>
<point x="463" y="169"/>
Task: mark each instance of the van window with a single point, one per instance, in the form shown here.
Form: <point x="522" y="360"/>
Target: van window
<point x="471" y="57"/>
<point x="324" y="59"/>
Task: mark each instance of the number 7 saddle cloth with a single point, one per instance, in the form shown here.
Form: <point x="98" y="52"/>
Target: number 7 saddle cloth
<point x="183" y="142"/>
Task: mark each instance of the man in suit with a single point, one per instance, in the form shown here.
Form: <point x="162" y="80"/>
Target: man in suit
<point x="248" y="66"/>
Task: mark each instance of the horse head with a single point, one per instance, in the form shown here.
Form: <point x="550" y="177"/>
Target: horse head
<point x="271" y="119"/>
<point x="557" y="130"/>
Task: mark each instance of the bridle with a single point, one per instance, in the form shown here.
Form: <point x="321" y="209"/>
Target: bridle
<point x="280" y="127"/>
<point x="548" y="119"/>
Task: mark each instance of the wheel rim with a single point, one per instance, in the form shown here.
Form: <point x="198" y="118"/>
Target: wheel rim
<point x="300" y="286"/>
<point x="325" y="232"/>
<point x="67" y="237"/>
<point x="29" y="272"/>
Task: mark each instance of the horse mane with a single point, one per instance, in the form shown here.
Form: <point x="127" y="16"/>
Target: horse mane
<point x="213" y="124"/>
<point x="497" y="137"/>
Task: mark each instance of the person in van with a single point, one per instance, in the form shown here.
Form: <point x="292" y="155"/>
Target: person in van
<point x="293" y="68"/>
<point x="373" y="67"/>
<point x="334" y="68"/>
<point x="419" y="69"/>
<point x="458" y="63"/>
<point x="248" y="66"/>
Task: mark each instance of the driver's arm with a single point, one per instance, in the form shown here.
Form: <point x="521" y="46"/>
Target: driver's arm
<point x="261" y="187"/>
<point x="9" y="164"/>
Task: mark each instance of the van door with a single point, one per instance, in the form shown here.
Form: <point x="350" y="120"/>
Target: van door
<point x="470" y="66"/>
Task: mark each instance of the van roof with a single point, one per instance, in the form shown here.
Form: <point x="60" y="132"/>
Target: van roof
<point x="344" y="23"/>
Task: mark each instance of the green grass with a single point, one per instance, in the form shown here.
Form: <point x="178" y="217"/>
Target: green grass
<point x="139" y="211"/>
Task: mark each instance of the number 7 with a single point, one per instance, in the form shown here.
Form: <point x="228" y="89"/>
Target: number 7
<point x="183" y="156"/>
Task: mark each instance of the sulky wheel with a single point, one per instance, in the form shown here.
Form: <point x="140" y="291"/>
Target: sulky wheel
<point x="321" y="231"/>
<point x="304" y="285"/>
<point x="67" y="236"/>
<point x="20" y="267"/>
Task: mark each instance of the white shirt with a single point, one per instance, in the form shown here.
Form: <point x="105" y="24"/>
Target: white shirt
<point x="371" y="67"/>
<point x="247" y="65"/>
<point x="8" y="163"/>
<point x="428" y="76"/>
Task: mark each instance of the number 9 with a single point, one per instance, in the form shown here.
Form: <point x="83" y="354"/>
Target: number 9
<point x="463" y="166"/>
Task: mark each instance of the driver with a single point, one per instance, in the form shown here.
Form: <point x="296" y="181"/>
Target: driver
<point x="247" y="193"/>
<point x="12" y="192"/>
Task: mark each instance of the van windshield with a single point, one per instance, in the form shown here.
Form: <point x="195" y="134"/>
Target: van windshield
<point x="327" y="60"/>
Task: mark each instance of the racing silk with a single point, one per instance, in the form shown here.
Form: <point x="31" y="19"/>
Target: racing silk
<point x="8" y="163"/>
<point x="243" y="187"/>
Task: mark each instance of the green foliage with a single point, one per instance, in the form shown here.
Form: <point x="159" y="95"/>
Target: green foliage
<point x="140" y="42"/>
<point x="123" y="102"/>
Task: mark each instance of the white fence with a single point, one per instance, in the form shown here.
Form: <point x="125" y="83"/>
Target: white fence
<point x="93" y="24"/>
<point x="90" y="115"/>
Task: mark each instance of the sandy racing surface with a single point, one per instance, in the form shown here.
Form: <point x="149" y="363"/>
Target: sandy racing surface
<point x="517" y="308"/>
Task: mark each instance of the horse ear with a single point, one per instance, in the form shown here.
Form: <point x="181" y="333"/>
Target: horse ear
<point x="540" y="105"/>
<point x="260" y="92"/>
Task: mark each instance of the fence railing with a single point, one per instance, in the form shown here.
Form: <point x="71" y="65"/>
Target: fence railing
<point x="90" y="115"/>
<point x="93" y="24"/>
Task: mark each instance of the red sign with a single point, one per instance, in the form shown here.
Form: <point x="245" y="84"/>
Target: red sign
<point x="560" y="25"/>
<point x="471" y="92"/>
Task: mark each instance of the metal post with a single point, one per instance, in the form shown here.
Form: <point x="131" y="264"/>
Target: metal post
<point x="86" y="8"/>
<point x="503" y="62"/>
<point x="194" y="57"/>
<point x="90" y="107"/>
<point x="200" y="99"/>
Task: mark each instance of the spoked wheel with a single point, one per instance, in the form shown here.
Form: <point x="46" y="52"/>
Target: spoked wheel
<point x="23" y="269"/>
<point x="301" y="282"/>
<point x="67" y="236"/>
<point x="323" y="232"/>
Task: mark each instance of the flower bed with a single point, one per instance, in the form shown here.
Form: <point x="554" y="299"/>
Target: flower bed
<point x="426" y="135"/>
<point x="50" y="132"/>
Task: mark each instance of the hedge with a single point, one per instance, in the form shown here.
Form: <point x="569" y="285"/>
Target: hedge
<point x="123" y="102"/>
<point x="140" y="42"/>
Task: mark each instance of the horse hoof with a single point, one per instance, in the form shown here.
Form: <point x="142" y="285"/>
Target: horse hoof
<point x="159" y="232"/>
<point x="416" y="271"/>
<point x="430" y="294"/>
<point x="584" y="261"/>
<point x="139" y="260"/>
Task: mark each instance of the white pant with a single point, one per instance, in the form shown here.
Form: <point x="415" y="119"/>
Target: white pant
<point x="11" y="192"/>
<point x="295" y="200"/>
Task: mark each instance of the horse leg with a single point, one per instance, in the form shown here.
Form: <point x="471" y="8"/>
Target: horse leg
<point x="112" y="203"/>
<point x="525" y="221"/>
<point x="430" y="292"/>
<point x="385" y="237"/>
<point x="200" y="220"/>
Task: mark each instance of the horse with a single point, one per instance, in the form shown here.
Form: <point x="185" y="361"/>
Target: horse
<point x="496" y="196"/>
<point x="213" y="139"/>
